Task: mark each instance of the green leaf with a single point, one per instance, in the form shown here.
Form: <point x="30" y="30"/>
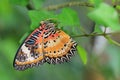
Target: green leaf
<point x="37" y="3"/>
<point x="97" y="2"/>
<point x="37" y="16"/>
<point x="105" y="15"/>
<point x="118" y="7"/>
<point x="83" y="54"/>
<point x="5" y="7"/>
<point x="20" y="2"/>
<point x="68" y="17"/>
<point x="91" y="1"/>
<point x="98" y="29"/>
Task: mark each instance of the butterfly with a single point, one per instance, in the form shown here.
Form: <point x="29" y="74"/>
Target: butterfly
<point x="44" y="44"/>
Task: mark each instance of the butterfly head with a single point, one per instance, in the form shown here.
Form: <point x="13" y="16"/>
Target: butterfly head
<point x="49" y="23"/>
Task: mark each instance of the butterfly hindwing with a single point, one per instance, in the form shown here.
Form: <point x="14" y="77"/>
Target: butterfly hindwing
<point x="45" y="44"/>
<point x="59" y="47"/>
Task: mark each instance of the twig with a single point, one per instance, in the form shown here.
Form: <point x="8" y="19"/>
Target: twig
<point x="69" y="4"/>
<point x="111" y="40"/>
<point x="92" y="34"/>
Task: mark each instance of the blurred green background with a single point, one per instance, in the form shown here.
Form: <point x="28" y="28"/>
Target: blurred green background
<point x="19" y="17"/>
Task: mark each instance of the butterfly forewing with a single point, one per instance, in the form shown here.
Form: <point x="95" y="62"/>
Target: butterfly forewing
<point x="31" y="51"/>
<point x="44" y="44"/>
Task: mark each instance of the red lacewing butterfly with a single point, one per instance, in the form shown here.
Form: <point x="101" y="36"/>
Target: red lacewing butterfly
<point x="44" y="44"/>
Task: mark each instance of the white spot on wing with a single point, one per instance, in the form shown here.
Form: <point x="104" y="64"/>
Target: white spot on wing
<point x="30" y="58"/>
<point x="26" y="51"/>
<point x="40" y="45"/>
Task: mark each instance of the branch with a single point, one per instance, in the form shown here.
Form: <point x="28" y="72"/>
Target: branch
<point x="92" y="34"/>
<point x="69" y="4"/>
<point x="106" y="35"/>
